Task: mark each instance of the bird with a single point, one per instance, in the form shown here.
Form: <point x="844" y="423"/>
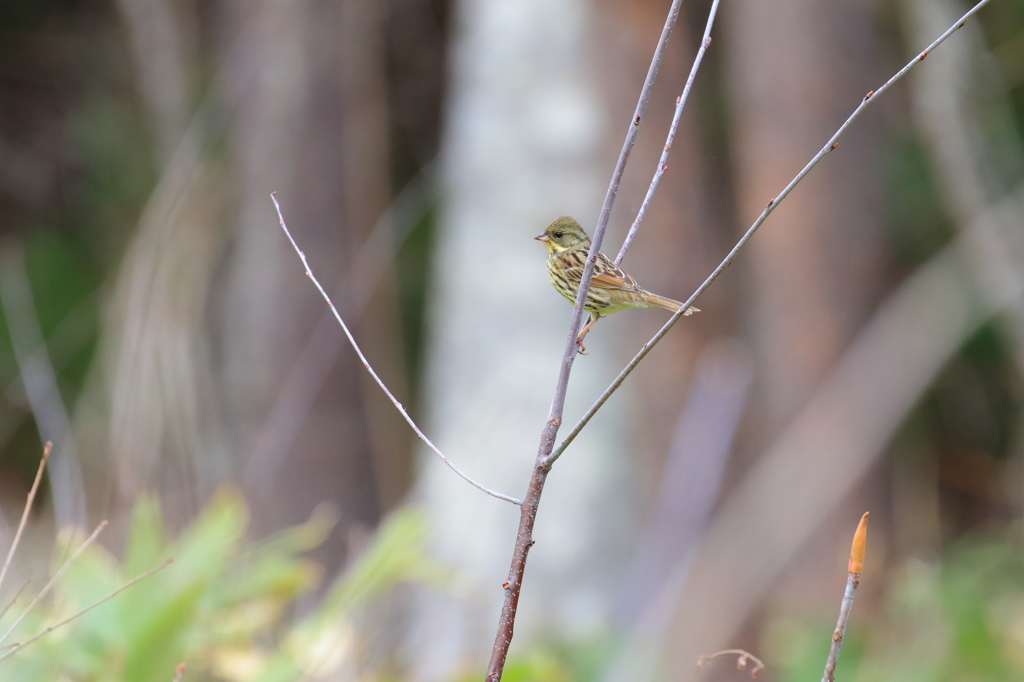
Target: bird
<point x="611" y="289"/>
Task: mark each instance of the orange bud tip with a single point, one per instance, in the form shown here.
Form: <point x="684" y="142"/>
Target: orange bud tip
<point x="860" y="539"/>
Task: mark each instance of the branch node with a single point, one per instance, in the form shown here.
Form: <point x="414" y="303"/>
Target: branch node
<point x="868" y="96"/>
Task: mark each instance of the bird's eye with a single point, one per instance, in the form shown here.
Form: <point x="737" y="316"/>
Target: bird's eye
<point x="559" y="235"/>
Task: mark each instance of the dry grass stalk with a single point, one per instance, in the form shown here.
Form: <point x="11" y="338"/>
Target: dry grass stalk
<point x="28" y="508"/>
<point x="18" y="646"/>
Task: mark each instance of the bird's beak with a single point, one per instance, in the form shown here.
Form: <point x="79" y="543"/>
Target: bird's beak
<point x="542" y="238"/>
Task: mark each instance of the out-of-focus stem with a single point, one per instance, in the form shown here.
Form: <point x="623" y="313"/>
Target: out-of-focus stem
<point x="28" y="508"/>
<point x="856" y="565"/>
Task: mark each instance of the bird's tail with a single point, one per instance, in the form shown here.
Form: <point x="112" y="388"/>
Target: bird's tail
<point x="669" y="304"/>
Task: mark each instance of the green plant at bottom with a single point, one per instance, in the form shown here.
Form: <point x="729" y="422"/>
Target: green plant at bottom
<point x="223" y="607"/>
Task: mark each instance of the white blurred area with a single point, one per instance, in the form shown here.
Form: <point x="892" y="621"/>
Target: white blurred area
<point x="524" y="143"/>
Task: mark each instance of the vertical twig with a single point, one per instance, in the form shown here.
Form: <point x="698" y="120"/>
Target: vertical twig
<point x="855" y="567"/>
<point x="528" y="513"/>
<point x="705" y="43"/>
<point x="28" y="508"/>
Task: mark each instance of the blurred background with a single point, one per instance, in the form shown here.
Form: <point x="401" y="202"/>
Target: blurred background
<point x="866" y="351"/>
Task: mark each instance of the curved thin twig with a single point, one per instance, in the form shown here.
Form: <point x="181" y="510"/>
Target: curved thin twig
<point x="829" y="146"/>
<point x="743" y="658"/>
<point x="366" y="364"/>
<point x="528" y="513"/>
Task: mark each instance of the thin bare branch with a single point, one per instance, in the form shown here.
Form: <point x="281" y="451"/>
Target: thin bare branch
<point x="528" y="513"/>
<point x="705" y="43"/>
<point x="832" y="143"/>
<point x="56" y="576"/>
<point x="366" y="364"/>
<point x="28" y="508"/>
<point x="307" y="374"/>
<point x="856" y="565"/>
<point x="743" y="658"/>
<point x="18" y="646"/>
<point x="14" y="599"/>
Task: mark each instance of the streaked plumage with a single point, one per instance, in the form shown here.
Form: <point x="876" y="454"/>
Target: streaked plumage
<point x="611" y="289"/>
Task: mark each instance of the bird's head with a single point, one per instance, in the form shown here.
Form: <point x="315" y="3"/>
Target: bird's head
<point x="563" y="234"/>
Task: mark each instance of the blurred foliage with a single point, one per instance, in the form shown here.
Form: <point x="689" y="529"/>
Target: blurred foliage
<point x="962" y="619"/>
<point x="79" y="168"/>
<point x="224" y="607"/>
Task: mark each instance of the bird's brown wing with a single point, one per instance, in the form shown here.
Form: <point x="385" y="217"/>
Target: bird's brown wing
<point x="607" y="275"/>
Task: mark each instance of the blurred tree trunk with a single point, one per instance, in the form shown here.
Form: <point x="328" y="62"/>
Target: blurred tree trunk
<point x="796" y="70"/>
<point x="527" y="140"/>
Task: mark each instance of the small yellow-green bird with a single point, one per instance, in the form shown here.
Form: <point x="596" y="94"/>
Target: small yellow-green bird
<point x="611" y="289"/>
